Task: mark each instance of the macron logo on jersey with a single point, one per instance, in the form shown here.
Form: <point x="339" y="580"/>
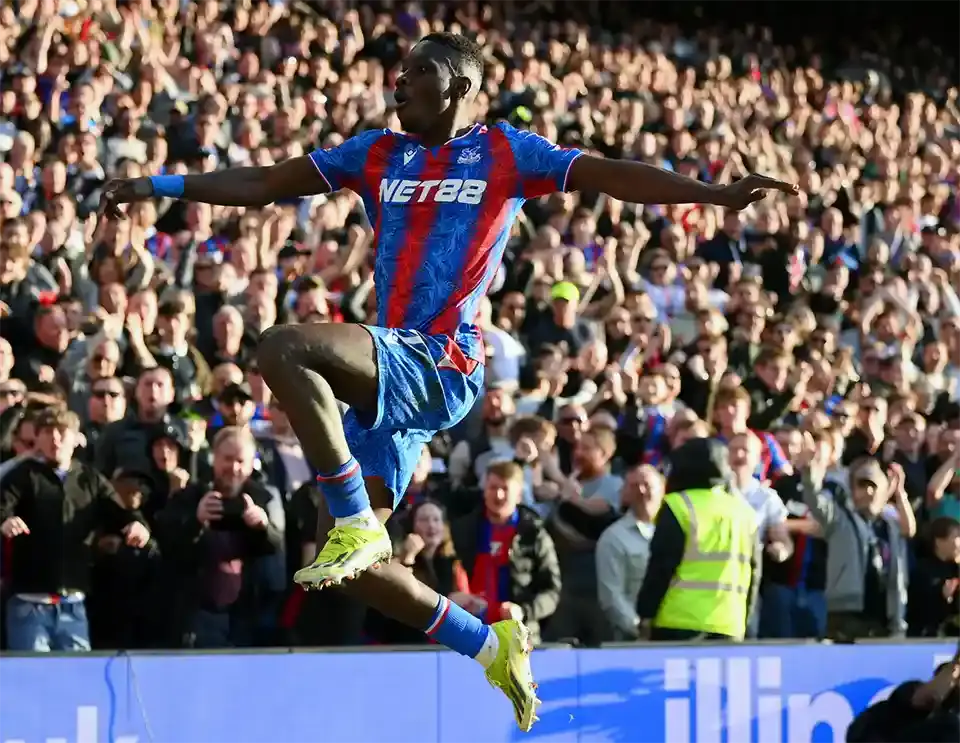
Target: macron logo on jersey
<point x="408" y="156"/>
<point x="449" y="190"/>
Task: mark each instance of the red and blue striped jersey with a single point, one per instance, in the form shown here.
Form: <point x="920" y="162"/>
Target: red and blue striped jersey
<point x="442" y="216"/>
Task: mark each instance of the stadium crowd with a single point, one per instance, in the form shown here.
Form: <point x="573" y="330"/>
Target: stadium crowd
<point x="151" y="493"/>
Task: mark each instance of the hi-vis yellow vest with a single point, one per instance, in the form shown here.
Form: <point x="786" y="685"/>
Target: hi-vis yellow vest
<point x="709" y="590"/>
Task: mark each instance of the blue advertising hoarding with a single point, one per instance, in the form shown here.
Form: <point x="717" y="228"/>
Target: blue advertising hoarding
<point x="677" y="694"/>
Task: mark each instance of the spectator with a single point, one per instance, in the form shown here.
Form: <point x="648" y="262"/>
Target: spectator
<point x="508" y="555"/>
<point x="166" y="476"/>
<point x="732" y="416"/>
<point x="127" y="440"/>
<point x="43" y="348"/>
<point x="794" y="601"/>
<point x="283" y="462"/>
<point x="216" y="533"/>
<point x="916" y="710"/>
<point x="23" y="280"/>
<point x="623" y="551"/>
<point x="469" y="457"/>
<point x="103" y="363"/>
<point x="229" y="346"/>
<point x="867" y="569"/>
<point x="508" y="352"/>
<point x="943" y="490"/>
<point x="234" y="407"/>
<point x="561" y="326"/>
<point x="428" y="551"/>
<point x="572" y="422"/>
<point x="24" y="440"/>
<point x="105" y="404"/>
<point x="935" y="584"/>
<point x="124" y="606"/>
<point x="591" y="504"/>
<point x="172" y="350"/>
<point x="745" y="453"/>
<point x="50" y="572"/>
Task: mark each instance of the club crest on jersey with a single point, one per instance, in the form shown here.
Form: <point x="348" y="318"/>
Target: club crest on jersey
<point x="409" y="155"/>
<point x="449" y="190"/>
<point x="470" y="156"/>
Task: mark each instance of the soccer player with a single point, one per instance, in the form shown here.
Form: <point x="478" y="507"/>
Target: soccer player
<point x="441" y="196"/>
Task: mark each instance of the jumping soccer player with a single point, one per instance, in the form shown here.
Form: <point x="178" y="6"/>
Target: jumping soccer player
<point x="442" y="197"/>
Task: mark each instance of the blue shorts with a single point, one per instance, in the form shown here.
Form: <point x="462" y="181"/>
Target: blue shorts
<point x="426" y="384"/>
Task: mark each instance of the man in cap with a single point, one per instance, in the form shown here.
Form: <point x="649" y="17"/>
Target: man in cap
<point x="562" y="326"/>
<point x="866" y="548"/>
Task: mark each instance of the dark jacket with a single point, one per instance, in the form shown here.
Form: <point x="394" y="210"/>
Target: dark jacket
<point x="63" y="516"/>
<point x="127" y="442"/>
<point x="929" y="613"/>
<point x="534" y="568"/>
<point x="723" y="250"/>
<point x="185" y="543"/>
<point x="767" y="408"/>
<point x="898" y="720"/>
<point x="190" y="372"/>
<point x="698" y="464"/>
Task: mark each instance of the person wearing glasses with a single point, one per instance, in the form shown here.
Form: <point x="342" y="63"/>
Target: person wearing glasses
<point x="106" y="404"/>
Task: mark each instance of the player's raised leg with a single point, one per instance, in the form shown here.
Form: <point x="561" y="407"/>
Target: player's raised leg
<point x="309" y="368"/>
<point x="502" y="649"/>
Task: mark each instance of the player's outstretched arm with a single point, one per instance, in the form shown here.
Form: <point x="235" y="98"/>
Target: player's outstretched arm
<point x="644" y="184"/>
<point x="233" y="187"/>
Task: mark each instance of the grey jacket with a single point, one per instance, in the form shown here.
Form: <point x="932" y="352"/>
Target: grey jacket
<point x="848" y="537"/>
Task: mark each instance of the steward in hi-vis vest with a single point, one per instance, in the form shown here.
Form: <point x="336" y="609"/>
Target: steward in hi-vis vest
<point x="703" y="555"/>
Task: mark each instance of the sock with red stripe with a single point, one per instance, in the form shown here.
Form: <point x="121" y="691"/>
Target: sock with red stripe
<point x="344" y="491"/>
<point x="462" y="632"/>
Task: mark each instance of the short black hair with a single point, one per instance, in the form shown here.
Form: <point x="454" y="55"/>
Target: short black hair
<point x="941" y="528"/>
<point x="469" y="51"/>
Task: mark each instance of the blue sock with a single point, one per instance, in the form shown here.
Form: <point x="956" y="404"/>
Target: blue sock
<point x="344" y="491"/>
<point x="457" y="628"/>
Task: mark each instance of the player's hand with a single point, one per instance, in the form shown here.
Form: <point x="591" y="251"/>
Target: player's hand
<point x="14" y="527"/>
<point x="210" y="507"/>
<point x="123" y="191"/>
<point x="753" y="188"/>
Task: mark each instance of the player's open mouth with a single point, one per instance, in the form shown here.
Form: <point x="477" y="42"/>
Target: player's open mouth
<point x="400" y="99"/>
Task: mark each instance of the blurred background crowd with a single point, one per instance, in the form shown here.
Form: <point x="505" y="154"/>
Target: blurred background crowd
<point x="817" y="335"/>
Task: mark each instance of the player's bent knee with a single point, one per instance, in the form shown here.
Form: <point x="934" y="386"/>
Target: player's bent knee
<point x="283" y="349"/>
<point x="276" y="350"/>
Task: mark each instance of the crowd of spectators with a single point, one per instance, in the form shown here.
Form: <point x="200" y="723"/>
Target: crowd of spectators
<point x="153" y="495"/>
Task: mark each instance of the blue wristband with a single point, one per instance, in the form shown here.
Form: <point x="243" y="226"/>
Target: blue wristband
<point x="167" y="186"/>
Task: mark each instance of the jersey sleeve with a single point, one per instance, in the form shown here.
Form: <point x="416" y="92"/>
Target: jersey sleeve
<point x="542" y="166"/>
<point x="343" y="166"/>
<point x="778" y="460"/>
